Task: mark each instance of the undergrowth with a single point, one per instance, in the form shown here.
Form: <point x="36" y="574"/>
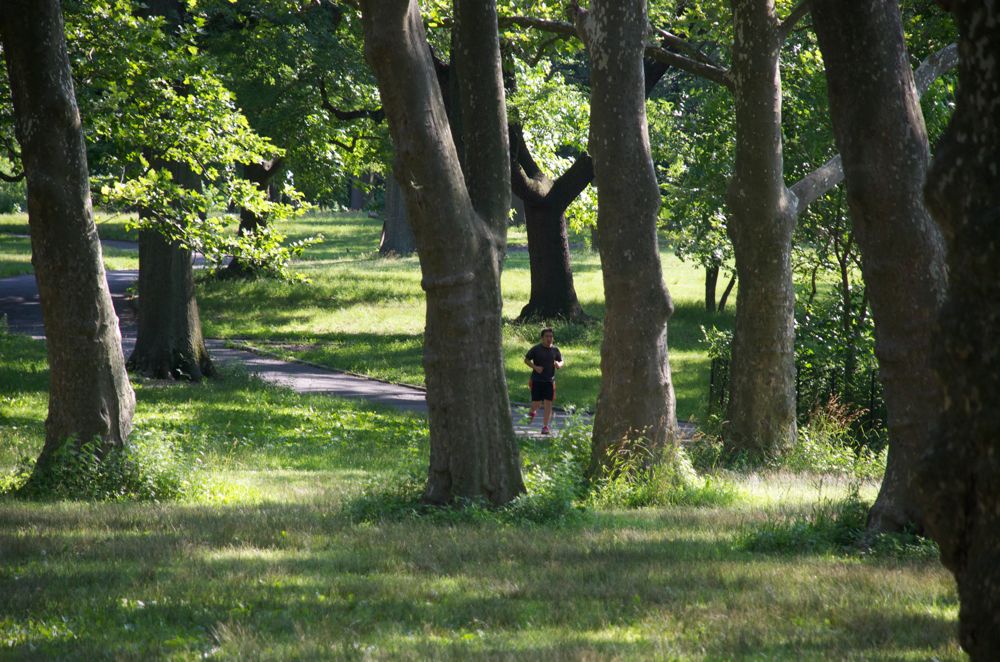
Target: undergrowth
<point x="832" y="527"/>
<point x="150" y="467"/>
<point x="557" y="490"/>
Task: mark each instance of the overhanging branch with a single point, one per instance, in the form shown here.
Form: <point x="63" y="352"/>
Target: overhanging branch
<point x="800" y="11"/>
<point x="814" y="185"/>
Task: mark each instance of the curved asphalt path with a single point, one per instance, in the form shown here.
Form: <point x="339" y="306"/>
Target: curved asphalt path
<point x="19" y="303"/>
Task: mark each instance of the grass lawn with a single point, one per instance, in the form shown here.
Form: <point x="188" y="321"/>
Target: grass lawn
<point x="264" y="563"/>
<point x="15" y="257"/>
<point x="365" y="314"/>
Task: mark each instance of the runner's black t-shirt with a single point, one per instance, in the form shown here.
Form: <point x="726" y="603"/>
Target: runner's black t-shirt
<point x="545" y="357"/>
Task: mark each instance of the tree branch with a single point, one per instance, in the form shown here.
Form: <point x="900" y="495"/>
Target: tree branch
<point x="571" y="183"/>
<point x="376" y="115"/>
<point x="800" y="11"/>
<point x="697" y="65"/>
<point x="814" y="185"/>
<point x="527" y="180"/>
<point x="13" y="179"/>
<point x="934" y="67"/>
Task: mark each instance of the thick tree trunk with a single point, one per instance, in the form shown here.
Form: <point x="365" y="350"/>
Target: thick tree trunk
<point x="635" y="405"/>
<point x="169" y="344"/>
<point x="261" y="174"/>
<point x="762" y="217"/>
<point x="883" y="145"/>
<point x="553" y="294"/>
<point x="397" y="236"/>
<point x="459" y="220"/>
<point x="90" y="397"/>
<point x="959" y="480"/>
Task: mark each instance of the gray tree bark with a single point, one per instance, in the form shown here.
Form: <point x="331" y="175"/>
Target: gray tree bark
<point x="457" y="204"/>
<point x="882" y="140"/>
<point x="90" y="397"/>
<point x="761" y="411"/>
<point x="959" y="479"/>
<point x="635" y="405"/>
<point x="397" y="236"/>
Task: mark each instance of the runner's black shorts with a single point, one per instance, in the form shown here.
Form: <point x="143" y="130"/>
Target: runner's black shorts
<point x="542" y="391"/>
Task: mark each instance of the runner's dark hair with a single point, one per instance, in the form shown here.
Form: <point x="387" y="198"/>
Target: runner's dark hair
<point x="549" y="329"/>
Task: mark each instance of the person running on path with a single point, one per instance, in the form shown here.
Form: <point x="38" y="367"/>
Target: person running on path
<point x="543" y="359"/>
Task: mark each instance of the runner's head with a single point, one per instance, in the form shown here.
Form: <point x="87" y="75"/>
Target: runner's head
<point x="548" y="336"/>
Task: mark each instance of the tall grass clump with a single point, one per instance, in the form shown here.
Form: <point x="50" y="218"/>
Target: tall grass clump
<point x="637" y="477"/>
<point x="827" y="445"/>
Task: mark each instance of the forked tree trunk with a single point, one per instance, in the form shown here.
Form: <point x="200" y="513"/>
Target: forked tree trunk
<point x="635" y="406"/>
<point x="459" y="220"/>
<point x="882" y="140"/>
<point x="397" y="236"/>
<point x="959" y="480"/>
<point x="90" y="397"/>
<point x="553" y="294"/>
<point x="261" y="174"/>
<point x="761" y="410"/>
<point x="169" y="343"/>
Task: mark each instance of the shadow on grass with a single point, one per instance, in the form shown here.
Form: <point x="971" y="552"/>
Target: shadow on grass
<point x="297" y="578"/>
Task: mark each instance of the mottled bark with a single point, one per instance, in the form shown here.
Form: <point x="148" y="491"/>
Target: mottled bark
<point x="636" y="399"/>
<point x="397" y="236"/>
<point x="90" y="397"/>
<point x="880" y="133"/>
<point x="959" y="479"/>
<point x="459" y="220"/>
<point x="761" y="413"/>
<point x="261" y="174"/>
<point x="168" y="344"/>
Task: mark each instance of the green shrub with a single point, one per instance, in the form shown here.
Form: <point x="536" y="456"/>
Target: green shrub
<point x="150" y="467"/>
<point x="637" y="480"/>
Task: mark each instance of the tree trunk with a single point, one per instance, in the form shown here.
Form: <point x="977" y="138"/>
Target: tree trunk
<point x="517" y="215"/>
<point x="261" y="174"/>
<point x="397" y="236"/>
<point x="90" y="397"/>
<point x="725" y="294"/>
<point x="169" y="343"/>
<point x="635" y="405"/>
<point x="711" y="282"/>
<point x="458" y="210"/>
<point x="761" y="409"/>
<point x="959" y="479"/>
<point x="882" y="140"/>
<point x="553" y="294"/>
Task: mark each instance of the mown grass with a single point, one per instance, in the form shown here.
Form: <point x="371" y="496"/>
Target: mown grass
<point x="15" y="257"/>
<point x="365" y="314"/>
<point x="265" y="563"/>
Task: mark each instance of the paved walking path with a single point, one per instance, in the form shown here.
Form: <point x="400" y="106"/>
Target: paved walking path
<point x="19" y="302"/>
